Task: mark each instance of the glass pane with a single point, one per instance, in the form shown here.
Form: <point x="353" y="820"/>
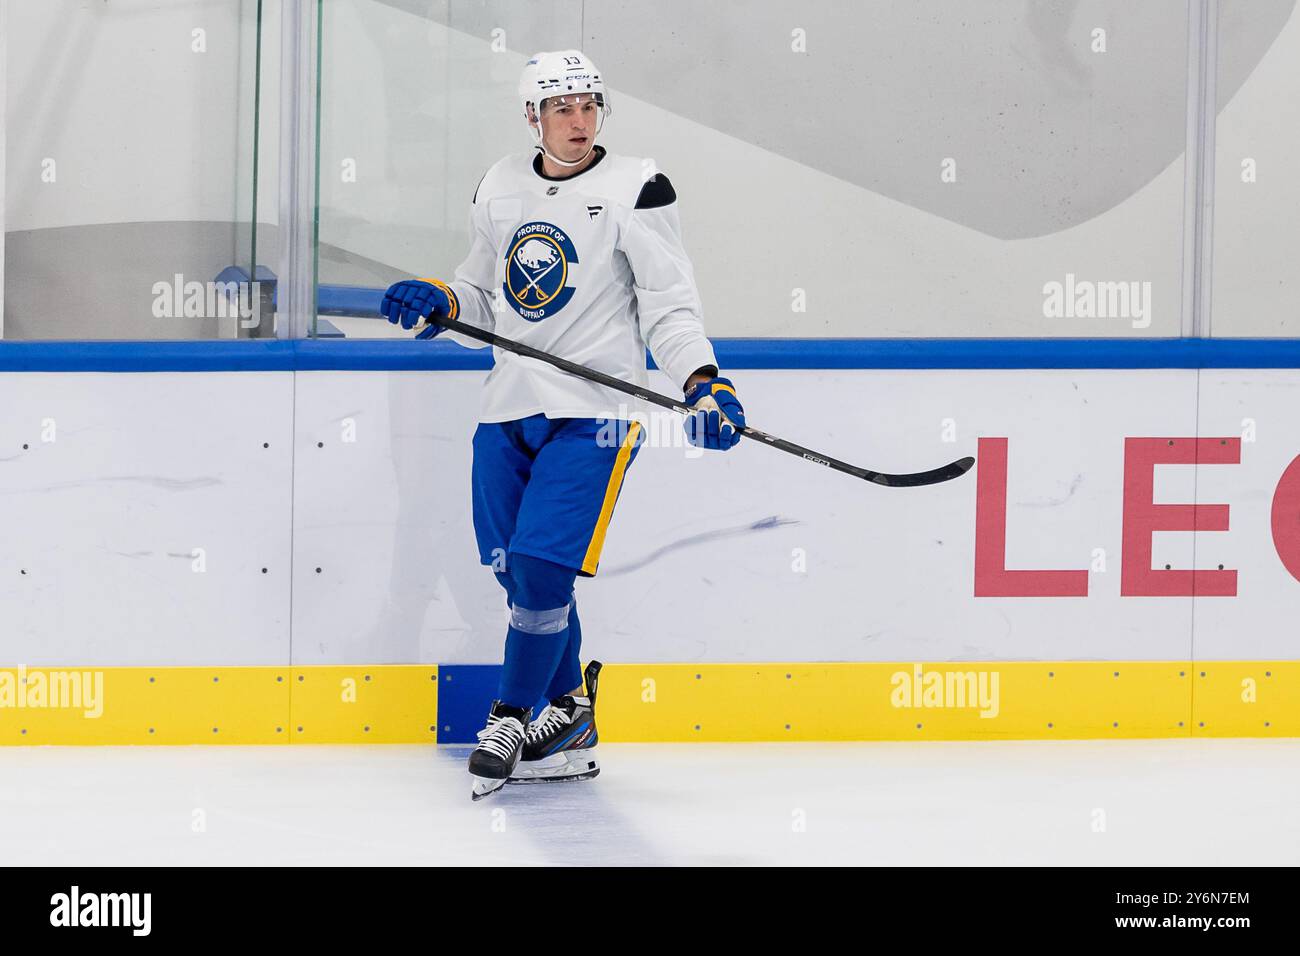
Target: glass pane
<point x="131" y="131"/>
<point x="1256" y="194"/>
<point x="888" y="169"/>
<point x="416" y="104"/>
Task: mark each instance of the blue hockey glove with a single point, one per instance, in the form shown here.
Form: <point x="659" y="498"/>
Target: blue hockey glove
<point x="412" y="301"/>
<point x="718" y="412"/>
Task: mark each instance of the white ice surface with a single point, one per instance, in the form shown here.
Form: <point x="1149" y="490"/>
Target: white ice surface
<point x="1161" y="802"/>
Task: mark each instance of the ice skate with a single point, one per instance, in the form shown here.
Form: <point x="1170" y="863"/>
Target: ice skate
<point x="561" y="744"/>
<point x="500" y="745"/>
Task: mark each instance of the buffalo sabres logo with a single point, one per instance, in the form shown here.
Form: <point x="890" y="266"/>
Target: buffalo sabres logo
<point x="537" y="270"/>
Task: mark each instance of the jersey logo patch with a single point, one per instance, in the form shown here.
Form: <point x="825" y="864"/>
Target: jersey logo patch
<point x="537" y="270"/>
<point x="594" y="211"/>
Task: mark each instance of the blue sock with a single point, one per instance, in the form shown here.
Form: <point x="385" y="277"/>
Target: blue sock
<point x="541" y="608"/>
<point x="530" y="658"/>
<point x="568" y="674"/>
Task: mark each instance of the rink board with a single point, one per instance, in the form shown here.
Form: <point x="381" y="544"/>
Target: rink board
<point x="1007" y="700"/>
<point x="242" y="511"/>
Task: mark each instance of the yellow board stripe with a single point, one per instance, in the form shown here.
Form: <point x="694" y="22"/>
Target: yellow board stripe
<point x="889" y="701"/>
<point x="1047" y="700"/>
<point x="880" y="701"/>
<point x="592" y="558"/>
<point x="219" y="705"/>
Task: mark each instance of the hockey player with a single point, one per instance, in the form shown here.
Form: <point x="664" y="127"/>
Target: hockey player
<point x="577" y="252"/>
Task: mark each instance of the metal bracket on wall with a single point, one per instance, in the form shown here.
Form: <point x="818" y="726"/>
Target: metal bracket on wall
<point x="299" y="52"/>
<point x="4" y="34"/>
<point x="1198" y="167"/>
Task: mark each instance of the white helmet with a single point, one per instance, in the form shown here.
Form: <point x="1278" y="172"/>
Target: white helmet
<point x="558" y="74"/>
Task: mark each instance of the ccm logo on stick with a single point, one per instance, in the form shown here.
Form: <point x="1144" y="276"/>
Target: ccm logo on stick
<point x="1142" y="517"/>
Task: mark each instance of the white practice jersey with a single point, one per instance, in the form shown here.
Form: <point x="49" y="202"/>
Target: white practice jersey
<point x="590" y="268"/>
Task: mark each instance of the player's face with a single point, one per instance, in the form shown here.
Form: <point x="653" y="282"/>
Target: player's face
<point x="569" y="125"/>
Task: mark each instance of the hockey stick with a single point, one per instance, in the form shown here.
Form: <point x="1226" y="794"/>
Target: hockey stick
<point x="946" y="473"/>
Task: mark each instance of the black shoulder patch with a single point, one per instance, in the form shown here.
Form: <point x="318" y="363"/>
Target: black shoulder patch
<point x="656" y="192"/>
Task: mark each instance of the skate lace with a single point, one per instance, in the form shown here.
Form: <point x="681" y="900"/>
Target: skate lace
<point x="552" y="719"/>
<point x="501" y="736"/>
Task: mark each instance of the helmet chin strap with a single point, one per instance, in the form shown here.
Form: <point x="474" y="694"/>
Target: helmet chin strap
<point x="540" y="144"/>
<point x="559" y="162"/>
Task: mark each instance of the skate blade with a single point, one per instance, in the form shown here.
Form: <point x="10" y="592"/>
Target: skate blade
<point x="484" y="787"/>
<point x="571" y="778"/>
<point x="558" y="768"/>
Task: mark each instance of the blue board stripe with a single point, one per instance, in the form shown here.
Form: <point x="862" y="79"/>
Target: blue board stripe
<point x="465" y="692"/>
<point x="1007" y="353"/>
<point x="265" y="355"/>
<point x="225" y="355"/>
<point x="441" y="355"/>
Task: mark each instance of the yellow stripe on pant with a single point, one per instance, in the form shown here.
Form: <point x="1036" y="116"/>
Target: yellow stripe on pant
<point x="592" y="558"/>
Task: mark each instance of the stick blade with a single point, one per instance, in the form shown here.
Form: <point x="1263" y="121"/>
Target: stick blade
<point x="933" y="477"/>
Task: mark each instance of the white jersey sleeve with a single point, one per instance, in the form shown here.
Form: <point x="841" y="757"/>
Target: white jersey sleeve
<point x="668" y="302"/>
<point x="476" y="277"/>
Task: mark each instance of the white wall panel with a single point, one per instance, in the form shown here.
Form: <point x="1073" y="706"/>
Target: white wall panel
<point x="386" y="518"/>
<point x="698" y="563"/>
<point x="123" y="477"/>
<point x="749" y="556"/>
<point x="1263" y="620"/>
